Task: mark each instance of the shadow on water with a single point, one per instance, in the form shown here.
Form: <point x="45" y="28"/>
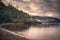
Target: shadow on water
<point x="46" y="25"/>
<point x="17" y="27"/>
<point x="21" y="26"/>
<point x="36" y="31"/>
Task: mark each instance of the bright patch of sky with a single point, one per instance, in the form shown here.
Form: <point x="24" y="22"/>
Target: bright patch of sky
<point x="37" y="7"/>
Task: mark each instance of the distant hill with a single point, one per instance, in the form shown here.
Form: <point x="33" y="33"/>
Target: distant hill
<point x="47" y="19"/>
<point x="11" y="14"/>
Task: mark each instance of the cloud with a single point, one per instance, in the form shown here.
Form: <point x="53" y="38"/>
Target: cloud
<point x="38" y="7"/>
<point x="26" y="0"/>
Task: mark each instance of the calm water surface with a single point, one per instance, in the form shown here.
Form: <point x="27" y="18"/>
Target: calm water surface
<point x="42" y="32"/>
<point x="38" y="31"/>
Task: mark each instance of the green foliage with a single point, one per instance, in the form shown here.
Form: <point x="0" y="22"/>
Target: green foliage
<point x="11" y="14"/>
<point x="16" y="27"/>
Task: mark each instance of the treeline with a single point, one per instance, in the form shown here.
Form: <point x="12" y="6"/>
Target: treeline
<point x="11" y="14"/>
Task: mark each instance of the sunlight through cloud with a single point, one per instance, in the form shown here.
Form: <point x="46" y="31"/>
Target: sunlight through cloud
<point x="37" y="7"/>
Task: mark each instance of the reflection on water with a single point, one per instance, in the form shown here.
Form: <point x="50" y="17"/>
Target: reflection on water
<point x="41" y="32"/>
<point x="38" y="31"/>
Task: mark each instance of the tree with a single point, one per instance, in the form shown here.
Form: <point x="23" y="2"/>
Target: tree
<point x="11" y="14"/>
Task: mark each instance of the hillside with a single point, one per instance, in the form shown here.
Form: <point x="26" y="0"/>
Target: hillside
<point x="11" y="14"/>
<point x="48" y="20"/>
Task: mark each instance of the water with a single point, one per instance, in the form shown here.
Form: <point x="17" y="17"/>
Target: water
<point x="37" y="31"/>
<point x="45" y="32"/>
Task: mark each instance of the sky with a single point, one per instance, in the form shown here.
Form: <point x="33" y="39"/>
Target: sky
<point x="49" y="8"/>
